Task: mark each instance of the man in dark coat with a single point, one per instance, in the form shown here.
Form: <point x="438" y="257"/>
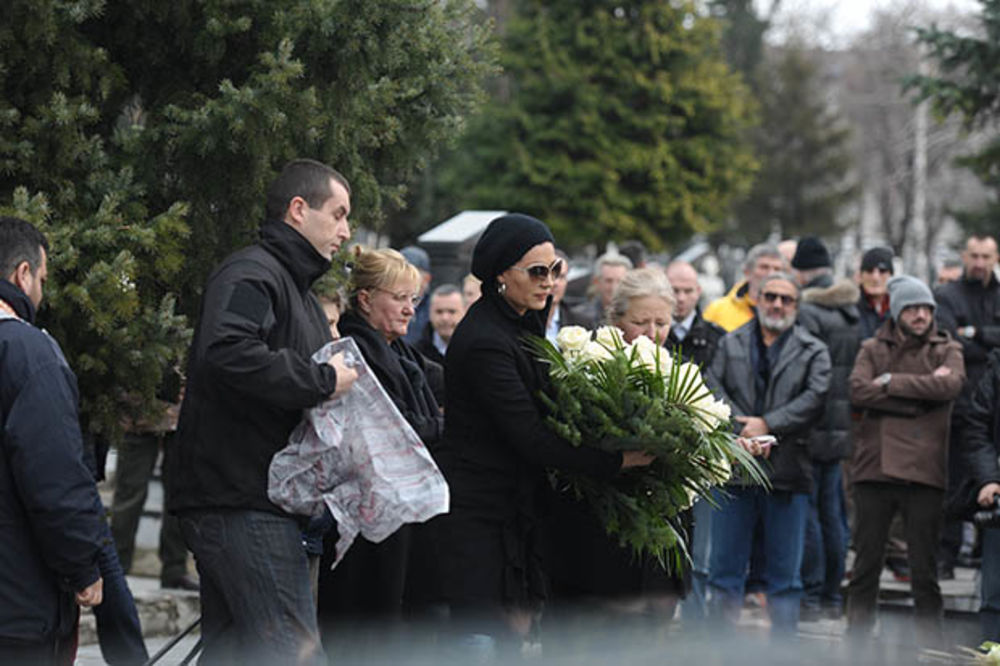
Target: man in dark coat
<point x="774" y="375"/>
<point x="50" y="529"/>
<point x="873" y="304"/>
<point x="982" y="446"/>
<point x="696" y="339"/>
<point x="250" y="375"/>
<point x="969" y="309"/>
<point x="829" y="311"/>
<point x="447" y="309"/>
<point x="905" y="379"/>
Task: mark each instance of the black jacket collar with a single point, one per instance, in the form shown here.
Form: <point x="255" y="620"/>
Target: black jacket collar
<point x="18" y="300"/>
<point x="295" y="253"/>
<point x="532" y="321"/>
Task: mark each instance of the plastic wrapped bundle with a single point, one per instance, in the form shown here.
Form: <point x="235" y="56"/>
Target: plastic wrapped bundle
<point x="359" y="457"/>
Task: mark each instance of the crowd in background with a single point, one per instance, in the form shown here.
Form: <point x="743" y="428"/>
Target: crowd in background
<point x="870" y="401"/>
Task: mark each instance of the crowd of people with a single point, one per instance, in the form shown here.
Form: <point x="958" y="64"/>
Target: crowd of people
<point x="870" y="401"/>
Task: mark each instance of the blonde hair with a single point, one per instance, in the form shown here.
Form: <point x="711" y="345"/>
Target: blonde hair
<point x="640" y="283"/>
<point x="378" y="269"/>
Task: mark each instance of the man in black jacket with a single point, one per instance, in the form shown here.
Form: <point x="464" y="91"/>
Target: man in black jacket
<point x="250" y="375"/>
<point x="696" y="339"/>
<point x="50" y="530"/>
<point x="829" y="311"/>
<point x="981" y="423"/>
<point x="969" y="309"/>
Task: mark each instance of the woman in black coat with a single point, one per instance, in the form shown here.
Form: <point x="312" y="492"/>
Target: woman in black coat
<point x="369" y="582"/>
<point x="496" y="446"/>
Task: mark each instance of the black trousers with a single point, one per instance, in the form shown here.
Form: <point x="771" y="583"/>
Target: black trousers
<point x="921" y="508"/>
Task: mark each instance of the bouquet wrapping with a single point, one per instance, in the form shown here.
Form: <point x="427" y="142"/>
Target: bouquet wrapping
<point x="618" y="396"/>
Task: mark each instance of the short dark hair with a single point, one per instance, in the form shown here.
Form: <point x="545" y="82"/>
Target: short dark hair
<point x="304" y="178"/>
<point x="446" y="289"/>
<point x="20" y="241"/>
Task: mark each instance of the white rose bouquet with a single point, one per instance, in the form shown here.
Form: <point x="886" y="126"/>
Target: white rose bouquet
<point x="618" y="397"/>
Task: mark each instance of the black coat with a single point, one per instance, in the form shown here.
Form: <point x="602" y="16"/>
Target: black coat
<point x="402" y="371"/>
<point x="829" y="311"/>
<point x="250" y="374"/>
<point x="372" y="578"/>
<point x="970" y="303"/>
<point x="699" y="345"/>
<point x="495" y="450"/>
<point x="981" y="422"/>
<point x="50" y="530"/>
<point x="870" y="320"/>
<point x="433" y="363"/>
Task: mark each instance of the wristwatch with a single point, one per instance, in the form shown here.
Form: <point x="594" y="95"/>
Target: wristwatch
<point x="968" y="331"/>
<point x="883" y="379"/>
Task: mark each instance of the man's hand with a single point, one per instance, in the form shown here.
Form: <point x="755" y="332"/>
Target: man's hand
<point x="754" y="448"/>
<point x="942" y="371"/>
<point x="345" y="375"/>
<point x="636" y="459"/>
<point x="753" y="426"/>
<point x="987" y="492"/>
<point x="92" y="595"/>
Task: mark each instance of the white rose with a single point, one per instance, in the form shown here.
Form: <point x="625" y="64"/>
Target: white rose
<point x="715" y="412"/>
<point x="595" y="351"/>
<point x="610" y="336"/>
<point x="689" y="370"/>
<point x="650" y="354"/>
<point x="572" y="338"/>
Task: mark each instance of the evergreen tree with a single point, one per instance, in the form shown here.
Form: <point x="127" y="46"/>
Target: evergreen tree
<point x="141" y="135"/>
<point x="967" y="85"/>
<point x="622" y="122"/>
<point x="804" y="149"/>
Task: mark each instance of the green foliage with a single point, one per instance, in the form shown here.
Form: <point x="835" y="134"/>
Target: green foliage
<point x="967" y="84"/>
<point x="141" y="135"/>
<point x="622" y="121"/>
<point x="620" y="401"/>
<point x="804" y="149"/>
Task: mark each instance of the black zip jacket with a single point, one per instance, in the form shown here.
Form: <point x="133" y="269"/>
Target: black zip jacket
<point x="249" y="372"/>
<point x="969" y="303"/>
<point x="50" y="531"/>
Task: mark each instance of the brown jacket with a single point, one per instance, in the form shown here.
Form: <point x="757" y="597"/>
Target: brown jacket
<point x="902" y="434"/>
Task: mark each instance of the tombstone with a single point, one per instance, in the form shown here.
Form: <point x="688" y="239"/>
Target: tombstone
<point x="450" y="244"/>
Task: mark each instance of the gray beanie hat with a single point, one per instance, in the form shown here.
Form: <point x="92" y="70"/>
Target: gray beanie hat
<point x="906" y="290"/>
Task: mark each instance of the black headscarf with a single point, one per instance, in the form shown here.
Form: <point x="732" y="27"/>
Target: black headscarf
<point x="504" y="242"/>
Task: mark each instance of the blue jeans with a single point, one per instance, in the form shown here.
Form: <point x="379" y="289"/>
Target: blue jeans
<point x="256" y="602"/>
<point x="989" y="609"/>
<point x="695" y="607"/>
<point x="823" y="560"/>
<point x="118" y="629"/>
<point x="783" y="516"/>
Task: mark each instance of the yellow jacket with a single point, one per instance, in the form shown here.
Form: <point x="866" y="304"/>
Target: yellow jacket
<point x="732" y="310"/>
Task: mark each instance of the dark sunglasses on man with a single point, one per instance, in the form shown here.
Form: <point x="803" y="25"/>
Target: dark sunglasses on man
<point x="771" y="297"/>
<point x="541" y="272"/>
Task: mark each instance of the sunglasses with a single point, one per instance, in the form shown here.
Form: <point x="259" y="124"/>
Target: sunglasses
<point x="541" y="272"/>
<point x="771" y="297"/>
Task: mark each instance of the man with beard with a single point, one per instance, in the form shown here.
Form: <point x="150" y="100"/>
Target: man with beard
<point x="905" y="379"/>
<point x="775" y="376"/>
<point x="737" y="307"/>
<point x="969" y="309"/>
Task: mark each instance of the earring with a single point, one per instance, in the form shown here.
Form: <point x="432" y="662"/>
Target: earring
<point x="502" y="288"/>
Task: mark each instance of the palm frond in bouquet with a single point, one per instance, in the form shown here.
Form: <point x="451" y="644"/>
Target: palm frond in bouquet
<point x="621" y="397"/>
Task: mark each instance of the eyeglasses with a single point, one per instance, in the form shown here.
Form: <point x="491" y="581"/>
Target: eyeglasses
<point x="541" y="272"/>
<point x="771" y="297"/>
<point x="402" y="297"/>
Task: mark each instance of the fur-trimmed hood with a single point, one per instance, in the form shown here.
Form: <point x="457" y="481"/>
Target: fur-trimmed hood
<point x="840" y="293"/>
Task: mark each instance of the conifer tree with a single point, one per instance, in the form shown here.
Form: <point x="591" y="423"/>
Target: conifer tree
<point x="967" y="85"/>
<point x="141" y="136"/>
<point x="803" y="145"/>
<point x="618" y="121"/>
